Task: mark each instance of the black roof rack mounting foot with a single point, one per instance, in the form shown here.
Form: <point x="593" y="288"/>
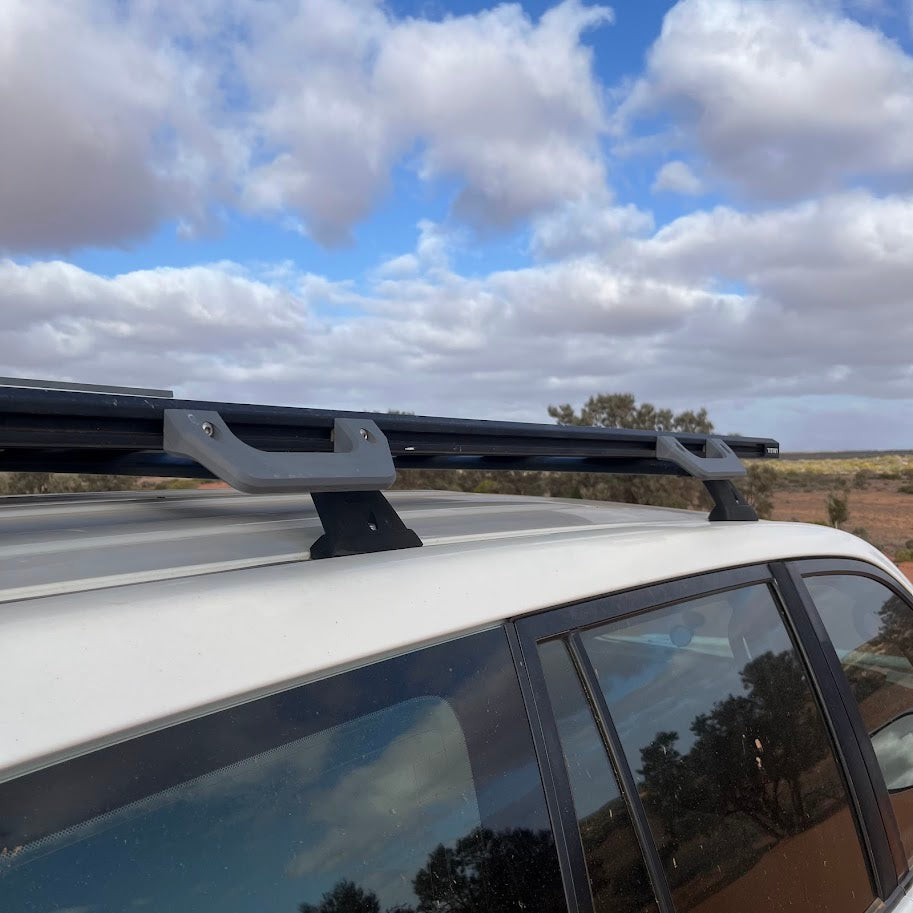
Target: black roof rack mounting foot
<point x="729" y="504"/>
<point x="358" y="522"/>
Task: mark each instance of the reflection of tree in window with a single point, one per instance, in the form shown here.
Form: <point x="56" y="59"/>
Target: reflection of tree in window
<point x="749" y="758"/>
<point x="478" y="874"/>
<point x="618" y="878"/>
<point x="346" y="897"/>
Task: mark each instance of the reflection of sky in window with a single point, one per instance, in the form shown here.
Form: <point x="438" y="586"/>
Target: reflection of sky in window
<point x="365" y="801"/>
<point x="592" y="780"/>
<point x="849" y="608"/>
<point x="653" y="686"/>
<point x="852" y="611"/>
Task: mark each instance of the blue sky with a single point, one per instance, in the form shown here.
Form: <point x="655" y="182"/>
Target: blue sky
<point x="469" y="209"/>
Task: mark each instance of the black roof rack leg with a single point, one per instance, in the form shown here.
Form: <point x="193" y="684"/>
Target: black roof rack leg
<point x="357" y="522"/>
<point x="728" y="501"/>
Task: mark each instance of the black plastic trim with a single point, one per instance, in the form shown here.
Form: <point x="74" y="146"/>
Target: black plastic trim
<point x="622" y="769"/>
<point x="602" y="609"/>
<point x="819" y="567"/>
<point x="811" y="640"/>
<point x="555" y="780"/>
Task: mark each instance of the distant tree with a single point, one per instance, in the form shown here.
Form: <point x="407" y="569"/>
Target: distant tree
<point x="621" y="410"/>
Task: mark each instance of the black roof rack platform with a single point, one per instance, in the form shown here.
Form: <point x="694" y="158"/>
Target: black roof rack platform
<point x="275" y="448"/>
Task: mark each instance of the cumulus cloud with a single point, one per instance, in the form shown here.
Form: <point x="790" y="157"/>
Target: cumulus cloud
<point x="784" y="97"/>
<point x="677" y="177"/>
<point x="718" y="308"/>
<point x="123" y="116"/>
<point x="100" y="128"/>
<point x="508" y="106"/>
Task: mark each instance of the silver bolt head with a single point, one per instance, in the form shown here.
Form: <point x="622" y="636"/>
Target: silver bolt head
<point x="364" y="433"/>
<point x="208" y="429"/>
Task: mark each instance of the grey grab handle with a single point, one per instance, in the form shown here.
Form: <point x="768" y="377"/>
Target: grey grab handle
<point x="720" y="462"/>
<point x="361" y="459"/>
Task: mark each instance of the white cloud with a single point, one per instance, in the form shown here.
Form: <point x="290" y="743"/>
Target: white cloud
<point x="586" y="226"/>
<point x="677" y="177"/>
<point x="389" y="796"/>
<point x="124" y="116"/>
<point x="101" y="135"/>
<point x="784" y="97"/>
<point x="725" y="309"/>
<point x="509" y="106"/>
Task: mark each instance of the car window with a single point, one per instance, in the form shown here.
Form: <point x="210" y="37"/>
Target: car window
<point x="410" y="785"/>
<point x="618" y="877"/>
<point x="720" y="727"/>
<point x="872" y="631"/>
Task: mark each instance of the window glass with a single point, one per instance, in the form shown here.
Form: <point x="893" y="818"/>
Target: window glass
<point x="872" y="632"/>
<point x="407" y="786"/>
<point x="618" y="878"/>
<point x="733" y="763"/>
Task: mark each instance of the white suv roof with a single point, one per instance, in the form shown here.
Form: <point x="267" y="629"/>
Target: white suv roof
<point x="123" y="613"/>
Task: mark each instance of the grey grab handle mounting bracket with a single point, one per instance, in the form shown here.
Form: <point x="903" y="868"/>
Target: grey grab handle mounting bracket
<point x="720" y="462"/>
<point x="360" y="461"/>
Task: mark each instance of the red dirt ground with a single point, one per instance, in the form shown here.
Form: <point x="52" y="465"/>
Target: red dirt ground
<point x="885" y="514"/>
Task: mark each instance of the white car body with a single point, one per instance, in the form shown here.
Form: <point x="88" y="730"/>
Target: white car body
<point x="123" y="614"/>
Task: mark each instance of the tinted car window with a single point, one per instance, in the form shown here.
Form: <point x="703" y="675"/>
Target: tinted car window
<point x="618" y="878"/>
<point x="872" y="631"/>
<point x="406" y="786"/>
<point x="735" y="769"/>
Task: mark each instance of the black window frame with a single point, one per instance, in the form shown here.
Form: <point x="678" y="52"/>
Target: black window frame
<point x="882" y="852"/>
<point x="823" y="567"/>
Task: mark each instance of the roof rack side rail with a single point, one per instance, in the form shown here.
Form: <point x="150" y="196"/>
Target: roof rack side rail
<point x="67" y="386"/>
<point x="343" y="458"/>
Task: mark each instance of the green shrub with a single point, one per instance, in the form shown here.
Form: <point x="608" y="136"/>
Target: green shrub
<point x="861" y="478"/>
<point x="838" y="508"/>
<point x="903" y="554"/>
